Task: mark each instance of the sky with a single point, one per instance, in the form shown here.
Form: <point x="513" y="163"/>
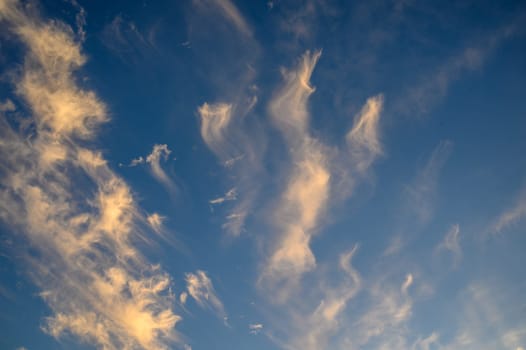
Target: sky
<point x="296" y="175"/>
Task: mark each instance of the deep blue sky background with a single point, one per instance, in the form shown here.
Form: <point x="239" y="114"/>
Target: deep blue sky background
<point x="452" y="130"/>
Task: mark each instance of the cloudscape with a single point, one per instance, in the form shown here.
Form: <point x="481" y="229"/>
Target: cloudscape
<point x="232" y="175"/>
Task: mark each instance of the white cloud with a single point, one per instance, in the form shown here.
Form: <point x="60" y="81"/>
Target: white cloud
<point x="363" y="139"/>
<point x="434" y="85"/>
<point x="230" y="12"/>
<point x="512" y="215"/>
<point x="486" y="318"/>
<point x="326" y="319"/>
<point x="255" y="328"/>
<point x="451" y="242"/>
<point x="231" y="195"/>
<point x="75" y="212"/>
<point x="183" y="297"/>
<point x="201" y="289"/>
<point x="384" y="321"/>
<point x="155" y="221"/>
<point x="7" y="106"/>
<point x="307" y="188"/>
<point x="235" y="221"/>
<point x="421" y="193"/>
<point x="154" y="159"/>
<point x="137" y="161"/>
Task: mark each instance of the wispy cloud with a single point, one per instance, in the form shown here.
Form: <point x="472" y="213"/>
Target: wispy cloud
<point x="363" y="148"/>
<point x="363" y="139"/>
<point x="420" y="99"/>
<point x="229" y="12"/>
<point x="155" y="221"/>
<point x="486" y="320"/>
<point x="255" y="328"/>
<point x="76" y="213"/>
<point x="307" y="188"/>
<point x="511" y="216"/>
<point x="123" y="38"/>
<point x="384" y="321"/>
<point x="451" y="243"/>
<point x="215" y="121"/>
<point x="7" y="106"/>
<point x="224" y="133"/>
<point x="154" y="159"/>
<point x="201" y="289"/>
<point x="229" y="196"/>
<point x="421" y="193"/>
<point x="419" y="198"/>
<point x="326" y="319"/>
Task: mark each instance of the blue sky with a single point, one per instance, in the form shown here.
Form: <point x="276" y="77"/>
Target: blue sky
<point x="218" y="174"/>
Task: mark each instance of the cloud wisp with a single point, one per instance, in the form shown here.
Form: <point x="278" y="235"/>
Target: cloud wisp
<point x="307" y="189"/>
<point x="511" y="216"/>
<point x="160" y="152"/>
<point x="230" y="13"/>
<point x="224" y="131"/>
<point x="199" y="286"/>
<point x="451" y="243"/>
<point x="78" y="216"/>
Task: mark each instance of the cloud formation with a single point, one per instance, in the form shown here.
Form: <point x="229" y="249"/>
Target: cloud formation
<point x="199" y="286"/>
<point x="511" y="216"/>
<point x="307" y="189"/>
<point x="224" y="132"/>
<point x="421" y="193"/>
<point x="97" y="284"/>
<point x="229" y="12"/>
<point x="154" y="159"/>
<point x="451" y="243"/>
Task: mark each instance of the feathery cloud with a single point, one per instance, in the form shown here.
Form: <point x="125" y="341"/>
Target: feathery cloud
<point x="255" y="328"/>
<point x="76" y="213"/>
<point x="155" y="221"/>
<point x="451" y="242"/>
<point x="512" y="215"/>
<point x="225" y="135"/>
<point x="154" y="159"/>
<point x="230" y="12"/>
<point x="326" y="319"/>
<point x="229" y="196"/>
<point x="201" y="289"/>
<point x="215" y="120"/>
<point x="422" y="191"/>
<point x="420" y="99"/>
<point x="363" y="139"/>
<point x="307" y="189"/>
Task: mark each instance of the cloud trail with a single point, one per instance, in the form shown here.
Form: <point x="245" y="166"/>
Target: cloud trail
<point x="78" y="216"/>
<point x="229" y="12"/>
<point x="201" y="289"/>
<point x="511" y="216"/>
<point x="451" y="243"/>
<point x="307" y="188"/>
<point x="154" y="159"/>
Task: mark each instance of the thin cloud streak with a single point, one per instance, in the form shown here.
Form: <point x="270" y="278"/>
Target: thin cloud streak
<point x="199" y="286"/>
<point x="422" y="191"/>
<point x="326" y="319"/>
<point x="75" y="212"/>
<point x="307" y="188"/>
<point x="511" y="216"/>
<point x="154" y="159"/>
<point x="420" y="99"/>
<point x="229" y="12"/>
<point x="451" y="243"/>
